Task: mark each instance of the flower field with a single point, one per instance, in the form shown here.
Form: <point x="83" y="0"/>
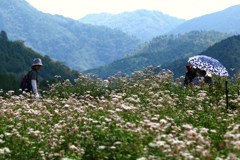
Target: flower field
<point x="146" y="116"/>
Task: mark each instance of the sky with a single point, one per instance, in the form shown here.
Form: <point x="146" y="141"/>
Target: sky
<point x="185" y="9"/>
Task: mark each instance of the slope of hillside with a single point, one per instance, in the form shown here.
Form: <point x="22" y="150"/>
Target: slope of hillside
<point x="16" y="60"/>
<point x="226" y="51"/>
<point x="163" y="49"/>
<point x="78" y="45"/>
<point x="143" y="24"/>
<point x="227" y="20"/>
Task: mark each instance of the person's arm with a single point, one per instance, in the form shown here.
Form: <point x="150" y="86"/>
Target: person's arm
<point x="34" y="88"/>
<point x="34" y="83"/>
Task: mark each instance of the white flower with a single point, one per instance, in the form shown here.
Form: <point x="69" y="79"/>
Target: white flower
<point x="117" y="143"/>
<point x="4" y="150"/>
<point x="101" y="147"/>
<point x="72" y="147"/>
<point x="187" y="126"/>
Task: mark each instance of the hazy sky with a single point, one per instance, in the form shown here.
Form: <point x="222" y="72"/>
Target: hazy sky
<point x="185" y="9"/>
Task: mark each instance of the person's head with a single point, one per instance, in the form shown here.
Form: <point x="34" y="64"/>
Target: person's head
<point x="37" y="63"/>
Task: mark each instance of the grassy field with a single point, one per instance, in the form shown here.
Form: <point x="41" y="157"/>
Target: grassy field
<point x="146" y="116"/>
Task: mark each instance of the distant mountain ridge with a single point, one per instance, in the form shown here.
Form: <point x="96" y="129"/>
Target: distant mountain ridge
<point x="162" y="50"/>
<point x="143" y="24"/>
<point x="78" y="45"/>
<point x="227" y="21"/>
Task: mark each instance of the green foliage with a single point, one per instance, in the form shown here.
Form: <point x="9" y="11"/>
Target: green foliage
<point x="83" y="84"/>
<point x="9" y="82"/>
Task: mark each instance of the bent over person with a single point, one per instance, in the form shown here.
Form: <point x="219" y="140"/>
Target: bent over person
<point x="190" y="75"/>
<point x="33" y="75"/>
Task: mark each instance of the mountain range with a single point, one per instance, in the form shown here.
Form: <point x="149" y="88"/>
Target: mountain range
<point x="149" y="24"/>
<point x="226" y="21"/>
<point x="161" y="50"/>
<point x="143" y="24"/>
<point x="78" y="45"/>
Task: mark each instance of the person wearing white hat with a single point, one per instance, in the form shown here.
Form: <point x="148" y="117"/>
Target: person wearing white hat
<point x="36" y="65"/>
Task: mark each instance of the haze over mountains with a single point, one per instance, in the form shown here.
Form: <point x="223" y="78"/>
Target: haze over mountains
<point x="142" y="24"/>
<point x="148" y="24"/>
<point x="227" y="20"/>
<point x="78" y="45"/>
<point x="84" y="46"/>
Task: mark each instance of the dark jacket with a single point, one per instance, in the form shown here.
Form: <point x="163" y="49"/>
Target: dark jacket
<point x="189" y="76"/>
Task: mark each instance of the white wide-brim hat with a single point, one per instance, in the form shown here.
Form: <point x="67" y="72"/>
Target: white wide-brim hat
<point x="37" y="62"/>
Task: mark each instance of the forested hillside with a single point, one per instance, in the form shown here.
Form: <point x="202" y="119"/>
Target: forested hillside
<point x="226" y="51"/>
<point x="163" y="49"/>
<point x="16" y="60"/>
<point x="143" y="24"/>
<point x="78" y="45"/>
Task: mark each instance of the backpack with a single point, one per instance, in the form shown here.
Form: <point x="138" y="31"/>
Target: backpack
<point x="25" y="84"/>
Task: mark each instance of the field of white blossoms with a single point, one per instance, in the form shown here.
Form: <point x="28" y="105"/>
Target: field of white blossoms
<point x="146" y="117"/>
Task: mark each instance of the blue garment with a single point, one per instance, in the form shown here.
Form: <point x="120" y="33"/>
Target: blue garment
<point x="196" y="80"/>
